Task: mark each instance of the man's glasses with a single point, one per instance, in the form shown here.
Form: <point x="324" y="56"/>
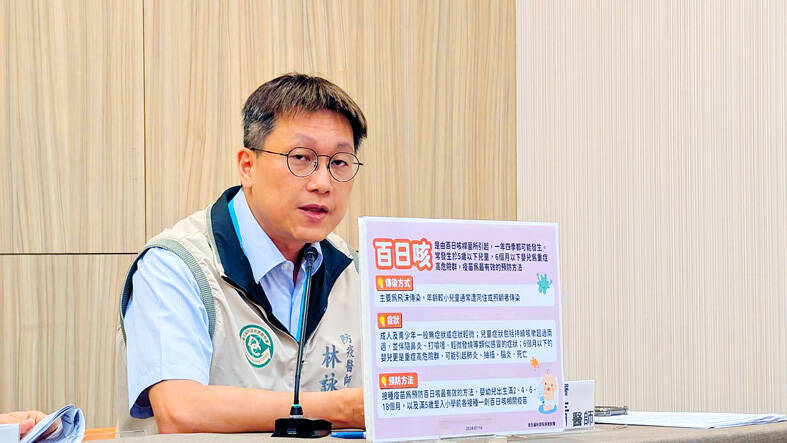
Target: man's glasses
<point x="302" y="162"/>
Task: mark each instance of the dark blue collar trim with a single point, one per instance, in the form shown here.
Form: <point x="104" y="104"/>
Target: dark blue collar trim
<point x="334" y="262"/>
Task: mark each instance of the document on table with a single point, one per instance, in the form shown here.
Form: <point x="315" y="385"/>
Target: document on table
<point x="701" y="420"/>
<point x="71" y="429"/>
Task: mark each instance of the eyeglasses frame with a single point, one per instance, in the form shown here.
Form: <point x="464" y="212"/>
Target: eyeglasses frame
<point x="327" y="165"/>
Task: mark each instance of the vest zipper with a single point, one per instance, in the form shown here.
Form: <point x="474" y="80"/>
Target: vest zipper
<point x="261" y="313"/>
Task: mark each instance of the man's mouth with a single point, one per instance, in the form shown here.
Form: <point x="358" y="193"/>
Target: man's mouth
<point x="314" y="212"/>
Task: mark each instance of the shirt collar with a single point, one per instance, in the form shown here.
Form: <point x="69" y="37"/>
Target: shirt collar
<point x="258" y="247"/>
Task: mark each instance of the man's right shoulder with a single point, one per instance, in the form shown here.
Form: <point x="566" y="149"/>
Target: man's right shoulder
<point x="190" y="232"/>
<point x="186" y="246"/>
<point x="165" y="266"/>
<point x="195" y="224"/>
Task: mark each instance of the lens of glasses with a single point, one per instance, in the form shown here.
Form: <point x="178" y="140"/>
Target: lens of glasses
<point x="303" y="162"/>
<point x="343" y="166"/>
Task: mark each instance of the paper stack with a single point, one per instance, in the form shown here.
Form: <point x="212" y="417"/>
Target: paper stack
<point x="71" y="428"/>
<point x="701" y="420"/>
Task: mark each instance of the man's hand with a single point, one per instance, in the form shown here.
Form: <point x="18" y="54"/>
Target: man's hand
<point x="352" y="400"/>
<point x="27" y="420"/>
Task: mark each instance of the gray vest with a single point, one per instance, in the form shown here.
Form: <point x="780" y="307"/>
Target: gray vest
<point x="250" y="349"/>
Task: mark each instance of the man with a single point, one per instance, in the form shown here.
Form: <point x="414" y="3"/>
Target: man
<point x="211" y="307"/>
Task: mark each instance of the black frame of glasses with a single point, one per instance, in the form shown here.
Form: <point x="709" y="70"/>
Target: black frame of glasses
<point x="317" y="164"/>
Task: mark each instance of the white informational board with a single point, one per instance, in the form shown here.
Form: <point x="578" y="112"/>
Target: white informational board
<point x="462" y="328"/>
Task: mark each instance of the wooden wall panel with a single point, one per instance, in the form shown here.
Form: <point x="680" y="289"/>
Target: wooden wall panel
<point x="655" y="134"/>
<point x="58" y="316"/>
<point x="5" y="112"/>
<point x="192" y="106"/>
<point x="435" y="80"/>
<point x="72" y="127"/>
<point x="462" y="90"/>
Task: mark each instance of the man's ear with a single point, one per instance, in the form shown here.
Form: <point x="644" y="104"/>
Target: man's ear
<point x="245" y="161"/>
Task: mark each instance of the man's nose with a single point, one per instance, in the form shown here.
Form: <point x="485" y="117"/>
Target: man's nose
<point x="320" y="179"/>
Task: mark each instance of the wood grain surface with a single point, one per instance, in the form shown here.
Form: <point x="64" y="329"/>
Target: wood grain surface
<point x="59" y="314"/>
<point x="71" y="127"/>
<point x="655" y="133"/>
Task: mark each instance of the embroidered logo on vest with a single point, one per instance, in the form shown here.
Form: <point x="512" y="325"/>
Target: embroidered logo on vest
<point x="257" y="345"/>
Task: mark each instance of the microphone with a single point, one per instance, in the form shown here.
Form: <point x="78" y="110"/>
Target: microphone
<point x="296" y="425"/>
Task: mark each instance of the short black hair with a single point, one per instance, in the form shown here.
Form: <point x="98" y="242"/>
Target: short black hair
<point x="290" y="94"/>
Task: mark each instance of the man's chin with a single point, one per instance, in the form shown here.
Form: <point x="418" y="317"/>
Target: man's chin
<point x="313" y="235"/>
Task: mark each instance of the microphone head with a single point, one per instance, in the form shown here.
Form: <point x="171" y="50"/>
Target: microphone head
<point x="310" y="255"/>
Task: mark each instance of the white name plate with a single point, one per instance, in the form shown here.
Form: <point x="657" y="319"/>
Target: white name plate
<point x="579" y="397"/>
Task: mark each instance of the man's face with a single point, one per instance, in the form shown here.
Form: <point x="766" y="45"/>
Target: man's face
<point x="296" y="210"/>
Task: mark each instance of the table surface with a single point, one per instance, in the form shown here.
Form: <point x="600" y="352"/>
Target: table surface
<point x="774" y="432"/>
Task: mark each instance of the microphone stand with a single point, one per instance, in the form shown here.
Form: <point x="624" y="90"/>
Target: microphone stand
<point x="296" y="425"/>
